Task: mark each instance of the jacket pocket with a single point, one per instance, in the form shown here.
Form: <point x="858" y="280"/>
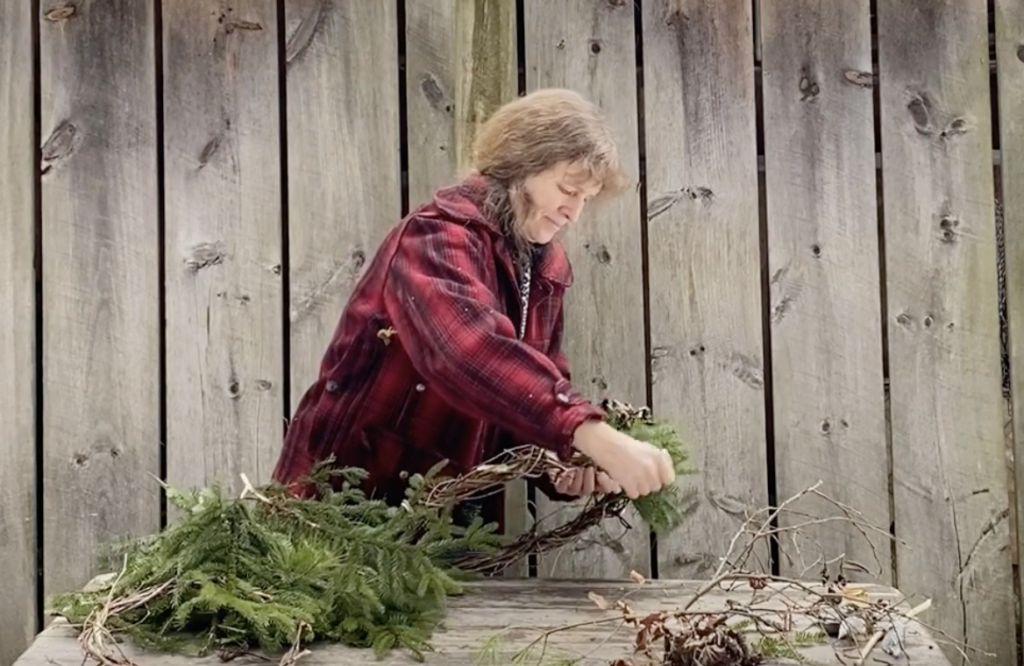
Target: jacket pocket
<point x="347" y="385"/>
<point x="391" y="456"/>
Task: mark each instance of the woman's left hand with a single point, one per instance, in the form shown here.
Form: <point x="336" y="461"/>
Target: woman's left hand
<point x="583" y="481"/>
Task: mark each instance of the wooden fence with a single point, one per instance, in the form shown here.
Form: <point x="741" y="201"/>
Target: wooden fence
<point x="189" y="189"/>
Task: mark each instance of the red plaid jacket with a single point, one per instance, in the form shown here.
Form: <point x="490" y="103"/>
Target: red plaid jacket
<point x="425" y="363"/>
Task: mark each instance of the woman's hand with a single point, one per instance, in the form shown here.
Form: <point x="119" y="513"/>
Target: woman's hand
<point x="583" y="481"/>
<point x="637" y="467"/>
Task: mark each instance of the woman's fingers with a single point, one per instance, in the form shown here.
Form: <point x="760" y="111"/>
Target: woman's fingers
<point x="587" y="481"/>
<point x="584" y="481"/>
<point x="605" y="484"/>
<point x="563" y="481"/>
<point x="578" y="482"/>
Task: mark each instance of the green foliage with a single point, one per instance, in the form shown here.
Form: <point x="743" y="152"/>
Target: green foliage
<point x="659" y="510"/>
<point x="261" y="571"/>
<point x="776" y="646"/>
<point x="253" y="573"/>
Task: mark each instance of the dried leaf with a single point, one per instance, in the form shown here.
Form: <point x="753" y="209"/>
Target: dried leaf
<point x="637" y="578"/>
<point x="856" y="594"/>
<point x="653" y="618"/>
<point x="598" y="600"/>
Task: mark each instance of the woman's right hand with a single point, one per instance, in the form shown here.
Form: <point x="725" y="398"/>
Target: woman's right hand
<point x="637" y="467"/>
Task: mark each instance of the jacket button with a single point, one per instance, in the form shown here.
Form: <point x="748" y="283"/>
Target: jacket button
<point x="332" y="386"/>
<point x="420" y="388"/>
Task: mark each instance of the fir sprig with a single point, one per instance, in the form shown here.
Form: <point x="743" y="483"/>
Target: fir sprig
<point x="660" y="510"/>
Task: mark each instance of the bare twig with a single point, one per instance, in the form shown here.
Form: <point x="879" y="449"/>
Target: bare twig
<point x="877" y="636"/>
<point x="295" y="652"/>
<point x="542" y="542"/>
<point x="249" y="489"/>
<point x="788" y="613"/>
<point x="96" y="639"/>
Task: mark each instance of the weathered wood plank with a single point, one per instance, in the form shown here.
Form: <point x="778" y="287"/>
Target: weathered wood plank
<point x="589" y="46"/>
<point x="460" y="67"/>
<point x="1009" y="20"/>
<point x="18" y="333"/>
<point x="101" y="355"/>
<point x="493" y="620"/>
<point x="223" y="258"/>
<point x="344" y="178"/>
<point x="823" y="255"/>
<point x="704" y="267"/>
<point x="950" y="484"/>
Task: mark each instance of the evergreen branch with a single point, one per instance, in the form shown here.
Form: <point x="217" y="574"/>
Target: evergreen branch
<point x="270" y="571"/>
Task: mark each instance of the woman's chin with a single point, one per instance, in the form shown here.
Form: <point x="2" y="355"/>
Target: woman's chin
<point x="539" y="239"/>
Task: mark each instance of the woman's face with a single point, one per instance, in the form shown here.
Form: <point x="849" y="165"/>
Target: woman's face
<point x="555" y="199"/>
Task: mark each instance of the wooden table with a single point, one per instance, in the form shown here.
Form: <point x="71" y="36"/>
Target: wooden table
<point x="496" y="618"/>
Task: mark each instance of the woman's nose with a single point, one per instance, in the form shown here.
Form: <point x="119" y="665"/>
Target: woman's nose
<point x="572" y="208"/>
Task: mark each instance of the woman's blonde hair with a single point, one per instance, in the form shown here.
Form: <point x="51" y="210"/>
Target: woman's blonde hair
<point x="532" y="134"/>
<point x="535" y="132"/>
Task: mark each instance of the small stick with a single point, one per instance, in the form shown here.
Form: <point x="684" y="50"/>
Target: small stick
<point x="877" y="636"/>
<point x="249" y="489"/>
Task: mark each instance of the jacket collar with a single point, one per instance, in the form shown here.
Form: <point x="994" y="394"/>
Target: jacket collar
<point x="464" y="202"/>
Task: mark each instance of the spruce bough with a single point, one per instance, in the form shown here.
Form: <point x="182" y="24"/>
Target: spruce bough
<point x="268" y="570"/>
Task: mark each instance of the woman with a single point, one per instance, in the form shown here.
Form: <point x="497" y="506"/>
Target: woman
<point x="450" y="347"/>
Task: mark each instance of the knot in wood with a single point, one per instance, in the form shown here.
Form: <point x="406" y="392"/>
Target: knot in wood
<point x="858" y="78"/>
<point x="205" y="255"/>
<point x="920" y="110"/>
<point x="948" y="228"/>
<point x="60" y="12"/>
<point x="809" y="88"/>
<point x="957" y="127"/>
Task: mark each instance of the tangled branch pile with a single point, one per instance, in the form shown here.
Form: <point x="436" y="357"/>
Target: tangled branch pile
<point x="269" y="571"/>
<point x="746" y="634"/>
<point x="689" y="641"/>
<point x="761" y="616"/>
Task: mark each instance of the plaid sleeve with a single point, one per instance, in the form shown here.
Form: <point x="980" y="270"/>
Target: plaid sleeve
<point x="556" y="353"/>
<point x="451" y="324"/>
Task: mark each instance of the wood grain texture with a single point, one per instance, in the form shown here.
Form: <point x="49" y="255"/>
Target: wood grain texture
<point x="948" y="447"/>
<point x="344" y="178"/>
<point x="704" y="268"/>
<point x="460" y="67"/>
<point x="17" y="334"/>
<point x="823" y="256"/>
<point x="101" y="354"/>
<point x="589" y="46"/>
<point x="1009" y="20"/>
<point x="223" y="240"/>
<point x="494" y="620"/>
